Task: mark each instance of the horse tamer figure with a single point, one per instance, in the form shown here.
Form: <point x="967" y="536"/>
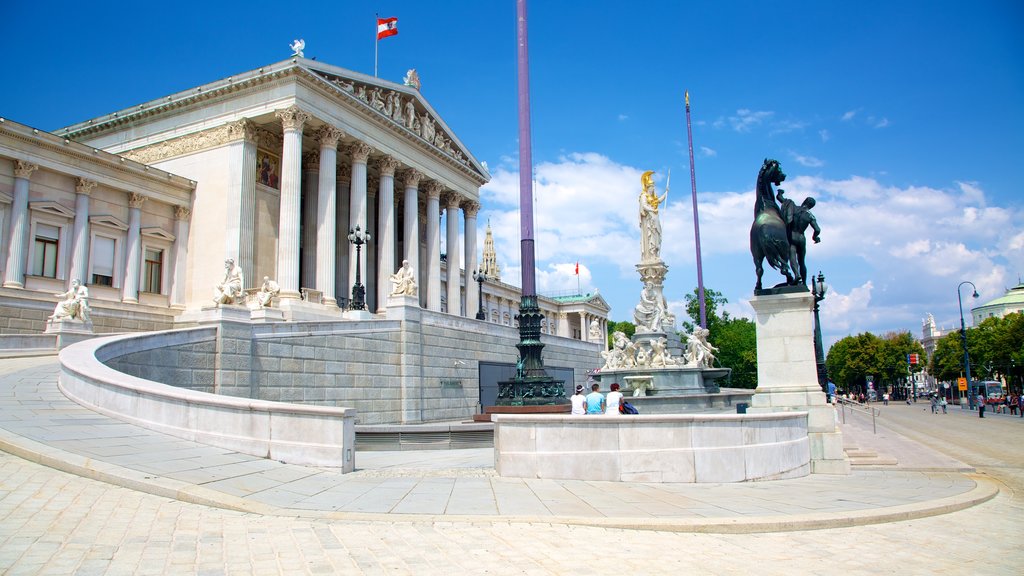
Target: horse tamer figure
<point x="775" y="236"/>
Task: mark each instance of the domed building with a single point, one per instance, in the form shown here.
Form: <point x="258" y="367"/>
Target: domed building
<point x="1012" y="301"/>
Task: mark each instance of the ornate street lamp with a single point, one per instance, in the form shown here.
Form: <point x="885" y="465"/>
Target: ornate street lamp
<point x="963" y="337"/>
<point x="480" y="277"/>
<point x="358" y="237"/>
<point x="818" y="289"/>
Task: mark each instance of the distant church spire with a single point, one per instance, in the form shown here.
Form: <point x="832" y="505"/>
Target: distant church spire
<point x="490" y="266"/>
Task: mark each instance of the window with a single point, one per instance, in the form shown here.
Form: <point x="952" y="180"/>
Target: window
<point x="44" y="261"/>
<point x="102" y="259"/>
<point x="152" y="271"/>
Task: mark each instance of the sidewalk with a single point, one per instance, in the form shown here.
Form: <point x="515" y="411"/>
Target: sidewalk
<point x="39" y="424"/>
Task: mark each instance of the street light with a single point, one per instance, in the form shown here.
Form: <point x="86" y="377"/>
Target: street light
<point x="358" y="237"/>
<point x="963" y="337"/>
<point x="818" y="289"/>
<point x="480" y="277"/>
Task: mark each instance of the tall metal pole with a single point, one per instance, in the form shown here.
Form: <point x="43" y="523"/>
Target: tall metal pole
<point x="525" y="155"/>
<point x="696" y="219"/>
<point x="963" y="336"/>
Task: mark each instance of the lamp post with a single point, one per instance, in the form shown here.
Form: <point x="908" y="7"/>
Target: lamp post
<point x="480" y="277"/>
<point x="963" y="337"/>
<point x="818" y="289"/>
<point x="358" y="237"/>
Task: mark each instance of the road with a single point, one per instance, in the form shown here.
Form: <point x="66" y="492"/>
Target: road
<point x="56" y="523"/>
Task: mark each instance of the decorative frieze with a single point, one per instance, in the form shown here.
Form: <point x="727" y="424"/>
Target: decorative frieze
<point x="23" y="169"/>
<point x="292" y="117"/>
<point x="267" y="140"/>
<point x="85" y="186"/>
<point x="231" y="132"/>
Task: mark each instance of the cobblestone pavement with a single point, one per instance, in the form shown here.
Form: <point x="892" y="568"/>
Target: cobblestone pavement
<point x="56" y="523"/>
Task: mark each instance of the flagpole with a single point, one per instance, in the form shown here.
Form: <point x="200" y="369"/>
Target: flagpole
<point x="376" y="41"/>
<point x="696" y="220"/>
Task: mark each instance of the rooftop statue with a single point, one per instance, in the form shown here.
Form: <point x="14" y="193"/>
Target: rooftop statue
<point x="769" y="235"/>
<point x="297" y="46"/>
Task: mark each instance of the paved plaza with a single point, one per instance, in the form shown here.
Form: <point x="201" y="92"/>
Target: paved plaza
<point x="137" y="502"/>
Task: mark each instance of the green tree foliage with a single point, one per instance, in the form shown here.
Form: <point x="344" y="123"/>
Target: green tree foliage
<point x="996" y="349"/>
<point x="627" y="328"/>
<point x="853" y="358"/>
<point x="735" y="338"/>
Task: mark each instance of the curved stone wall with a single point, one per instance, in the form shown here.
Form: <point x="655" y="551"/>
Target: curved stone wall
<point x="292" y="433"/>
<point x="653" y="448"/>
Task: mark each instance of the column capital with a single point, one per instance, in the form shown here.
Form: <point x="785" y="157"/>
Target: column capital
<point x="292" y="117"/>
<point x="23" y="169"/>
<point x="328" y="136"/>
<point x="360" y="152"/>
<point x="387" y="165"/>
<point x="85" y="186"/>
<point x="471" y="208"/>
<point x="311" y="161"/>
<point x="434" y="189"/>
<point x="344" y="172"/>
<point x="243" y="129"/>
<point x="182" y="213"/>
<point x="452" y="200"/>
<point x="136" y="200"/>
<point x="412" y="178"/>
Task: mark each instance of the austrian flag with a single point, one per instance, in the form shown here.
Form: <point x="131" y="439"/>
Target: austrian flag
<point x="386" y="27"/>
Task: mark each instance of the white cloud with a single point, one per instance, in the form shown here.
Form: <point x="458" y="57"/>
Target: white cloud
<point x="881" y="123"/>
<point x="849" y="115"/>
<point x="623" y="117"/>
<point x="808" y="161"/>
<point x="746" y="119"/>
<point x="824" y="134"/>
<point x="707" y="152"/>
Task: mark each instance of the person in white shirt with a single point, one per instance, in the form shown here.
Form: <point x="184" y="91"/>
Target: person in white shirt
<point x="613" y="400"/>
<point x="579" y="401"/>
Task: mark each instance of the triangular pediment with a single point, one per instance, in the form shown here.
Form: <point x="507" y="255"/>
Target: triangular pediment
<point x="107" y="220"/>
<point x="403" y="107"/>
<point x="154" y="232"/>
<point x="52" y="208"/>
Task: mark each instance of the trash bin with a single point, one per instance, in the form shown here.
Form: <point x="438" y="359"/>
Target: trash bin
<point x="741" y="408"/>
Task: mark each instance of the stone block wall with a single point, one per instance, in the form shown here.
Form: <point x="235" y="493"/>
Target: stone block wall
<point x="189" y="366"/>
<point x="26" y="311"/>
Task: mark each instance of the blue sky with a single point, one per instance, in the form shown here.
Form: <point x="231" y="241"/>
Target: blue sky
<point x="903" y="119"/>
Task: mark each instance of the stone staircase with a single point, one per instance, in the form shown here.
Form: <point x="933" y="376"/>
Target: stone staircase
<point x="864" y="458"/>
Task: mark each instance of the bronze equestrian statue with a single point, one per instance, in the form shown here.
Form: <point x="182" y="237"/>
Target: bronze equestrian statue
<point x="778" y="235"/>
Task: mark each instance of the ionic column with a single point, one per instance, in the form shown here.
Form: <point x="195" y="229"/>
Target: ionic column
<point x="133" y="260"/>
<point x="326" y="212"/>
<point x="411" y="233"/>
<point x="357" y="207"/>
<point x="292" y="120"/>
<point x="385" y="229"/>
<point x="433" y="263"/>
<point x="17" y="244"/>
<point x="309" y="201"/>
<point x="452" y="203"/>
<point x="469" y="211"/>
<point x="80" y="242"/>
<point x="180" y="259"/>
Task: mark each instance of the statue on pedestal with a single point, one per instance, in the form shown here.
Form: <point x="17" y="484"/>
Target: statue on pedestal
<point x="650" y="222"/>
<point x="699" y="350"/>
<point x="777" y="234"/>
<point x="797" y="219"/>
<point x="403" y="282"/>
<point x="75" y="303"/>
<point x="230" y="290"/>
<point x="268" y="291"/>
<point x="594" y="333"/>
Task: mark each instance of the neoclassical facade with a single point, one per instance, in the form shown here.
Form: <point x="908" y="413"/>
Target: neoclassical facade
<point x="271" y="168"/>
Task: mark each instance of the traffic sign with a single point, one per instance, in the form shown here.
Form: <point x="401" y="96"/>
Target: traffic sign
<point x="961" y="384"/>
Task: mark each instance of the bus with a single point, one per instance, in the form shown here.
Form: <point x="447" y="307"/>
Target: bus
<point x="989" y="388"/>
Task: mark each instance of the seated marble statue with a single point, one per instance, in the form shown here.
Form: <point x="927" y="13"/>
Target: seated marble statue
<point x="230" y="290"/>
<point x="267" y="292"/>
<point x="75" y="304"/>
<point x="595" y="331"/>
<point x="403" y="282"/>
<point x="648" y="313"/>
<point x="699" y="350"/>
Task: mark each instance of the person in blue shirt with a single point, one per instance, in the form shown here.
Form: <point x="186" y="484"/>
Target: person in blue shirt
<point x="831" y="390"/>
<point x="595" y="400"/>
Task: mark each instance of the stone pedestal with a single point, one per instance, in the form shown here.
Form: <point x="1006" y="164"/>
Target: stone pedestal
<point x="263" y="315"/>
<point x="403" y="307"/>
<point x="787" y="375"/>
<point x="69" y="326"/>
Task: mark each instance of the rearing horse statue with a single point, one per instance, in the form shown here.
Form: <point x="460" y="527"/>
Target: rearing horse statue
<point x="768" y="236"/>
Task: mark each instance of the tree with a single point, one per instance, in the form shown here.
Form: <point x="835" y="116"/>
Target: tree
<point x="627" y="328"/>
<point x="735" y="338"/>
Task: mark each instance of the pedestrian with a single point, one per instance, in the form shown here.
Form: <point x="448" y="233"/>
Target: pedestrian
<point x="1020" y="404"/>
<point x="885" y="399"/>
<point x="578" y="401"/>
<point x="1011" y="400"/>
<point x="981" y="405"/>
<point x="944" y="404"/>
<point x="614" y="400"/>
<point x="935" y="405"/>
<point x="595" y="400"/>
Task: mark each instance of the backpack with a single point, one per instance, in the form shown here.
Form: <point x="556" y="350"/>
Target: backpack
<point x="627" y="408"/>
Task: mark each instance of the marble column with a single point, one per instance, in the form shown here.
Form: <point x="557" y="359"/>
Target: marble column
<point x="292" y="120"/>
<point x="357" y="208"/>
<point x="470" y="209"/>
<point x="17" y="245"/>
<point x="326" y="212"/>
<point x="411" y="231"/>
<point x="433" y="263"/>
<point x="80" y="242"/>
<point x="370" y="250"/>
<point x="385" y="229"/>
<point x="452" y="203"/>
<point x="246" y="208"/>
<point x="342" y="286"/>
<point x="133" y="259"/>
<point x="309" y="201"/>
<point x="180" y="251"/>
<point x="583" y="327"/>
<point x="563" y="324"/>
